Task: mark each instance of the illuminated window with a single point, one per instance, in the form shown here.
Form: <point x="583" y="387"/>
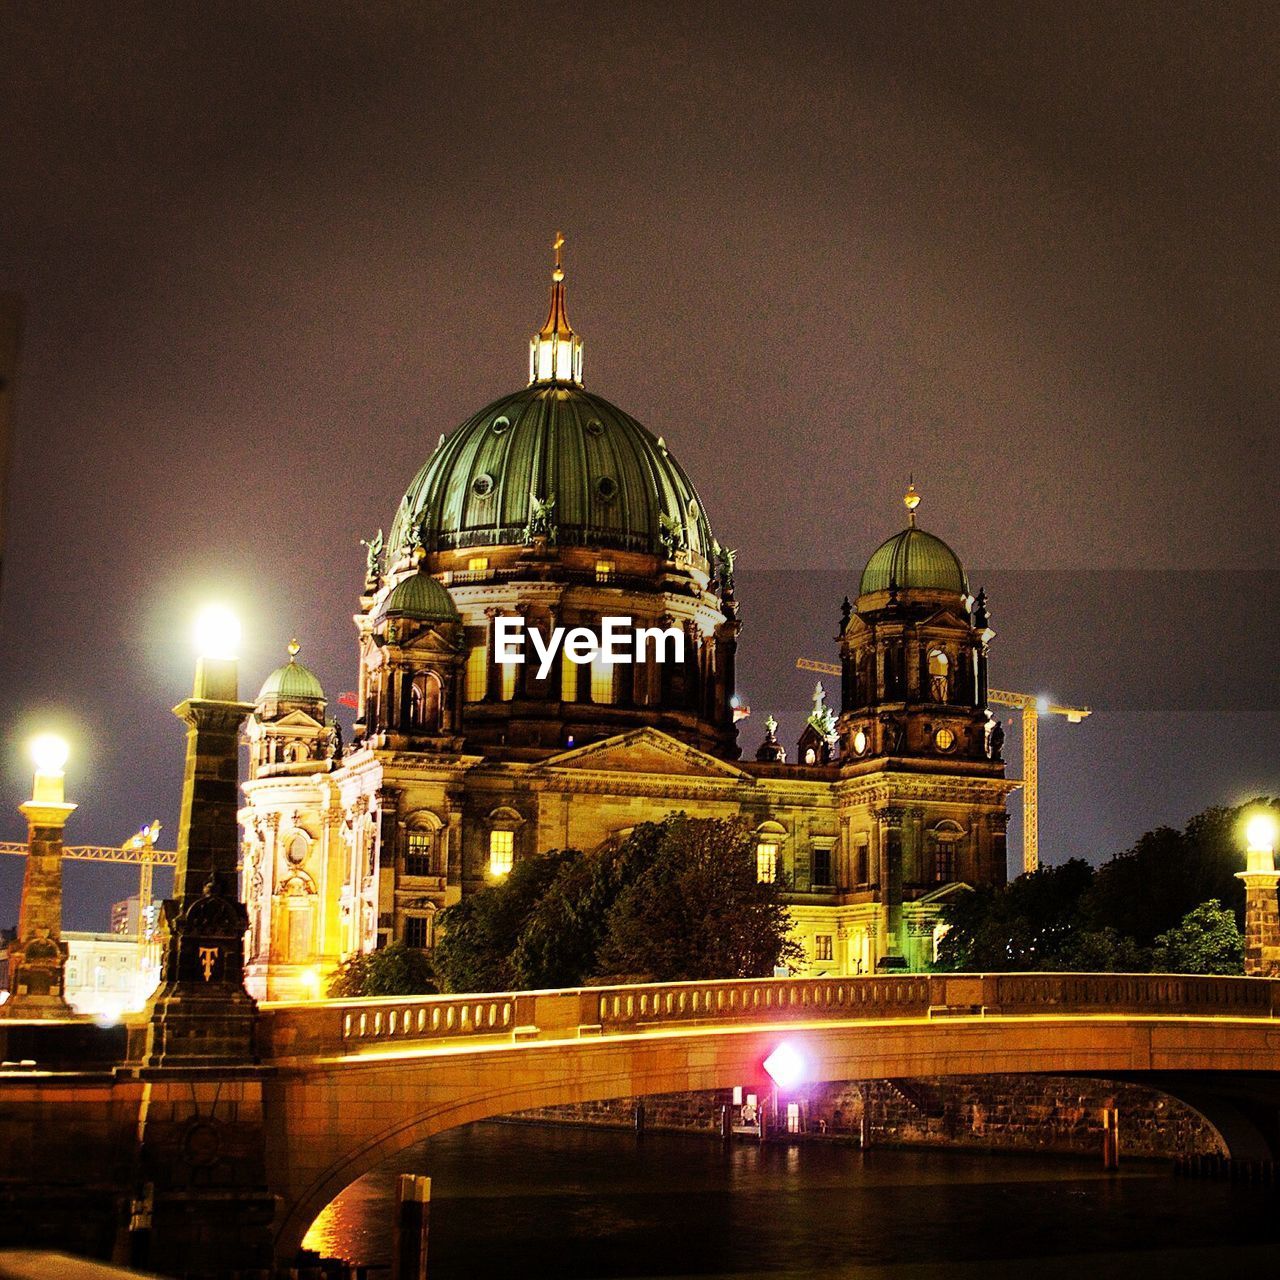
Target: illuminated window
<point x="793" y="1117"/>
<point x="477" y="673"/>
<point x="766" y="862"/>
<point x="604" y="570"/>
<point x="822" y="947"/>
<point x="939" y="669"/>
<point x="568" y="679"/>
<point x="508" y="681"/>
<point x="601" y="681"/>
<point x="420" y="853"/>
<point x="502" y="852"/>
<point x="478" y="564"/>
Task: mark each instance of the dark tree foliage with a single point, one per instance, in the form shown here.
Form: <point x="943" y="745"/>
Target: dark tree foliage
<point x="1150" y="887"/>
<point x="480" y="932"/>
<point x="698" y="910"/>
<point x="1172" y="903"/>
<point x="675" y="899"/>
<point x="393" y="970"/>
<point x="1029" y="923"/>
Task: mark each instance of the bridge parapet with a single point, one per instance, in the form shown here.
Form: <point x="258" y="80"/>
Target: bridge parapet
<point x="339" y="1028"/>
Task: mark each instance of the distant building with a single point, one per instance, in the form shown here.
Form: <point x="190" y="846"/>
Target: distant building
<point x="124" y="917"/>
<point x="107" y="974"/>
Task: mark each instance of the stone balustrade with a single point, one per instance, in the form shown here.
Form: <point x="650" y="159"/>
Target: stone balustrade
<point x="341" y="1027"/>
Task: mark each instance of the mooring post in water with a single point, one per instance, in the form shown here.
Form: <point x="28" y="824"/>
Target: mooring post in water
<point x="637" y="1115"/>
<point x="1110" y="1135"/>
<point x="413" y="1218"/>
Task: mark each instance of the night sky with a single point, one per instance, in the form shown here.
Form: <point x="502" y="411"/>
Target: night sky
<point x="1027" y="252"/>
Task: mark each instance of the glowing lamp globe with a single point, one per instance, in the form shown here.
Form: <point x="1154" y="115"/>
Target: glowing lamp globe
<point x="217" y="632"/>
<point x="1260" y="832"/>
<point x="786" y="1066"/>
<point x="49" y="752"/>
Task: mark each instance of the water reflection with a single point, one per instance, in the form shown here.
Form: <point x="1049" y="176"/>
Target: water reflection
<point x="514" y="1199"/>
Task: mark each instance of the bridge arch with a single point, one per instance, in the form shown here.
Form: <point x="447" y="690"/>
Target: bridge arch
<point x="357" y="1114"/>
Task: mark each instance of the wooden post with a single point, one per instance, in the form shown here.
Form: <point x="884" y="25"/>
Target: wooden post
<point x="638" y="1116"/>
<point x="413" y="1218"/>
<point x="1111" y="1135"/>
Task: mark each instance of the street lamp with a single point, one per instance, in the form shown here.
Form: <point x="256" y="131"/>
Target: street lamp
<point x="1261" y="908"/>
<point x="38" y="956"/>
<point x="1260" y="841"/>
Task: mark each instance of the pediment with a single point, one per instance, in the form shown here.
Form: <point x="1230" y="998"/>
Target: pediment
<point x="295" y="720"/>
<point x="945" y="619"/>
<point x="643" y="751"/>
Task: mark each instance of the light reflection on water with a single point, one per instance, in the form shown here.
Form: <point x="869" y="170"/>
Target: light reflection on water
<point x="573" y="1203"/>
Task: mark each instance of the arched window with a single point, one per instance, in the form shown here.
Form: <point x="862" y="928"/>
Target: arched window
<point x="424" y="702"/>
<point x="945" y="840"/>
<point x="295" y="751"/>
<point x="769" y="837"/>
<point x="503" y="823"/>
<point x="939" y="676"/>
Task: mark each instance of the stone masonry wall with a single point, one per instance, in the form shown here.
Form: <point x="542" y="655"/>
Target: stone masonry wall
<point x="1043" y="1114"/>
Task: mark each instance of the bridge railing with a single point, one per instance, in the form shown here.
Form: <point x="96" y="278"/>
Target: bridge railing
<point x="339" y="1027"/>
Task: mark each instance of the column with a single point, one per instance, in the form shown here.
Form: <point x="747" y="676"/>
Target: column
<point x="37" y="960"/>
<point x="202" y="1014"/>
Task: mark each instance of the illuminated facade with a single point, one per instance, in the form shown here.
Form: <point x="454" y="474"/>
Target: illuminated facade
<point x="553" y="506"/>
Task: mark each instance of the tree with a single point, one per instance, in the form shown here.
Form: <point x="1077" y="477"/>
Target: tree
<point x="674" y="899"/>
<point x="698" y="910"/>
<point x="393" y="970"/>
<point x="1206" y="940"/>
<point x="479" y="933"/>
<point x="1029" y="923"/>
<point x="1149" y="888"/>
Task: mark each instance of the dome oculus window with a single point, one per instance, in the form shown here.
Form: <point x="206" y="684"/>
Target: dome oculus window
<point x="595" y="427"/>
<point x="944" y="739"/>
<point x="607" y="488"/>
<point x="501" y="424"/>
<point x="482" y="486"/>
<point x="694" y="510"/>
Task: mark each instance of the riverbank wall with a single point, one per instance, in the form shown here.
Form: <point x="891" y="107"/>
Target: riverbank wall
<point x="1036" y="1114"/>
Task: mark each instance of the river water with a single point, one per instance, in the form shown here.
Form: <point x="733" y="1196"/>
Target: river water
<point x="525" y="1200"/>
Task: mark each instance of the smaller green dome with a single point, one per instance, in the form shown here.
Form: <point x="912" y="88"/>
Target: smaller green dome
<point x="420" y="598"/>
<point x="292" y="681"/>
<point x="914" y="560"/>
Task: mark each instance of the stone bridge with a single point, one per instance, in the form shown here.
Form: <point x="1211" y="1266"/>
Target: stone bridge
<point x="342" y="1086"/>
<point x="356" y="1083"/>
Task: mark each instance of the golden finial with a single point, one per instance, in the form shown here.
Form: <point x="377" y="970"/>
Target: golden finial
<point x="911" y="500"/>
<point x="557" y="244"/>
<point x="294" y="648"/>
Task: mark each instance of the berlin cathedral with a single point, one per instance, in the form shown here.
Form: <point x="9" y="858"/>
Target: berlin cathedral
<point x="553" y="506"/>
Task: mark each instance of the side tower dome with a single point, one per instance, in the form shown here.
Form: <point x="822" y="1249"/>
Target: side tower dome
<point x="555" y="506"/>
<point x="914" y="655"/>
<point x="287" y="732"/>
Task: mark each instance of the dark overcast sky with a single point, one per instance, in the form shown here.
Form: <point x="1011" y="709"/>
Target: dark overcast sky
<point x="270" y="252"/>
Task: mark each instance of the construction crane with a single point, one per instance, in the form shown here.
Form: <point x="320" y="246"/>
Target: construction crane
<point x="1032" y="708"/>
<point x="140" y="849"/>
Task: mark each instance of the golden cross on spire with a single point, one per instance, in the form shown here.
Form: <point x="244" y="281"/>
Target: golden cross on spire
<point x="557" y="244"/>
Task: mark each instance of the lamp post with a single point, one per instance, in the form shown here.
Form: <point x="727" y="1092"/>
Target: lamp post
<point x="37" y="959"/>
<point x="202" y="1014"/>
<point x="1261" y="909"/>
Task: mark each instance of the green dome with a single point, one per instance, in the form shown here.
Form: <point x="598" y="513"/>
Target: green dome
<point x="420" y="598"/>
<point x="914" y="561"/>
<point x="605" y="481"/>
<point x="292" y="682"/>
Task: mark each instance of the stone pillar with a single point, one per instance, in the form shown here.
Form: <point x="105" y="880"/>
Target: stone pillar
<point x="202" y="1014"/>
<point x="890" y="822"/>
<point x="1261" y="915"/>
<point x="37" y="960"/>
